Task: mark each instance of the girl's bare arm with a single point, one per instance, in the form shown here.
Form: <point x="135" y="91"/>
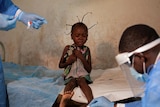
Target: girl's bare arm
<point x="63" y="62"/>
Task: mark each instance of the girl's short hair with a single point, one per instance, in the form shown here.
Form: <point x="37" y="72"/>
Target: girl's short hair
<point x="79" y="24"/>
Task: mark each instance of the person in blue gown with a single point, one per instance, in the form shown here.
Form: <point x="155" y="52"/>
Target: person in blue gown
<point x="139" y="53"/>
<point x="9" y="15"/>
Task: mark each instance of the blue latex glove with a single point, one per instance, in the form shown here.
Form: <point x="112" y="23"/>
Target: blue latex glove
<point x="7" y="22"/>
<point x="101" y="102"/>
<point x="36" y="21"/>
<point x="134" y="104"/>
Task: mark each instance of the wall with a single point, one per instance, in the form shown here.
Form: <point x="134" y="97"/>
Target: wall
<point x="45" y="46"/>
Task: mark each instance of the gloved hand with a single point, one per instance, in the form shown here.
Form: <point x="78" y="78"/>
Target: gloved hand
<point x="101" y="102"/>
<point x="7" y="22"/>
<point x="36" y="21"/>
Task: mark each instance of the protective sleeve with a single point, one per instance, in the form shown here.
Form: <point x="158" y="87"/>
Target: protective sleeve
<point x="2" y="87"/>
<point x="7" y="7"/>
<point x="134" y="104"/>
<point x="152" y="92"/>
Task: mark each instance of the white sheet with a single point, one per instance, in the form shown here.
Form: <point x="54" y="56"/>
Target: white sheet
<point x="110" y="83"/>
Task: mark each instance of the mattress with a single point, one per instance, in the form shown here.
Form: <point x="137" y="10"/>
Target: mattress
<point x="110" y="83"/>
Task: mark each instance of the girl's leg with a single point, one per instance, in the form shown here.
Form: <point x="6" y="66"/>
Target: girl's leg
<point x="85" y="88"/>
<point x="68" y="92"/>
<point x="70" y="85"/>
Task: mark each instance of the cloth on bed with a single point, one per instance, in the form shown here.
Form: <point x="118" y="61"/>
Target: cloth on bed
<point x="32" y="86"/>
<point x="111" y="83"/>
<point x="37" y="86"/>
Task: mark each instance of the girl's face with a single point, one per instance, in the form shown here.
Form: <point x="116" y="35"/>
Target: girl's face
<point x="79" y="36"/>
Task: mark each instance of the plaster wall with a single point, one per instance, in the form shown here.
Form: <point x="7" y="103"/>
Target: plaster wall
<point x="45" y="46"/>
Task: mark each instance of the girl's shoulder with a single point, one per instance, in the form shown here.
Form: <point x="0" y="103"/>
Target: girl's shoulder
<point x="86" y="47"/>
<point x="66" y="47"/>
<point x="69" y="48"/>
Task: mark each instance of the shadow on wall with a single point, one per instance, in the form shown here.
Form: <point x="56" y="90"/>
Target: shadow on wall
<point x="105" y="56"/>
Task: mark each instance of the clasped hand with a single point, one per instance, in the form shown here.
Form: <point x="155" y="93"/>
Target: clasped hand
<point x="73" y="57"/>
<point x="78" y="53"/>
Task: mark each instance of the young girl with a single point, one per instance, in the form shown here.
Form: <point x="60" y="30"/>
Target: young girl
<point x="76" y="59"/>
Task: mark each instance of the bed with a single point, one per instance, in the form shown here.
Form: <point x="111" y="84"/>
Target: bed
<point x="37" y="86"/>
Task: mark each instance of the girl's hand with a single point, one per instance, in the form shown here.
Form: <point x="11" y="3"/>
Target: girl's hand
<point x="72" y="58"/>
<point x="78" y="53"/>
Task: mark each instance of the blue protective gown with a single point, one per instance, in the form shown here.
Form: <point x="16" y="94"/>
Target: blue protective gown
<point x="3" y="96"/>
<point x="6" y="7"/>
<point x="152" y="90"/>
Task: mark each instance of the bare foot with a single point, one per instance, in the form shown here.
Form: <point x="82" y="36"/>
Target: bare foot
<point x="66" y="96"/>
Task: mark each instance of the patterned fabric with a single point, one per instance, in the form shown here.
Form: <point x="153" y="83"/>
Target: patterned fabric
<point x="76" y="69"/>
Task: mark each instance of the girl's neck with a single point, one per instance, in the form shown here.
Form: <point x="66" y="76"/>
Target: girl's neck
<point x="81" y="47"/>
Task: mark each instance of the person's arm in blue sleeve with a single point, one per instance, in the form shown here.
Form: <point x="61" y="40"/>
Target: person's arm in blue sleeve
<point x="7" y="7"/>
<point x="10" y="13"/>
<point x="3" y="96"/>
<point x="7" y="15"/>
